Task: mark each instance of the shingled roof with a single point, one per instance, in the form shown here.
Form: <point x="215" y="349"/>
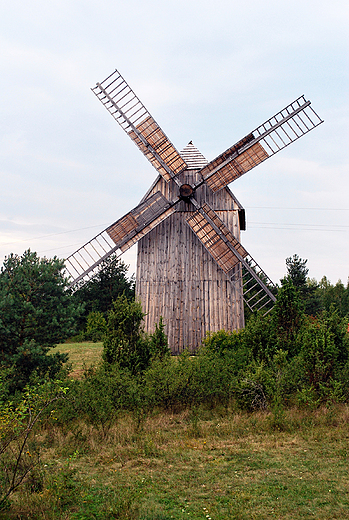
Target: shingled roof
<point x="194" y="159"/>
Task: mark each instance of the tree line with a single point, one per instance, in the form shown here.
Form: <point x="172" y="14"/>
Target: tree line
<point x="37" y="312"/>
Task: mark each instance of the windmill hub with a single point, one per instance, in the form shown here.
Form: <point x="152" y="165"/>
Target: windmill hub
<point x="186" y="192"/>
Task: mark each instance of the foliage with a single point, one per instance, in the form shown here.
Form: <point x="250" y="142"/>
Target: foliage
<point x="168" y="382"/>
<point x="125" y="342"/>
<point x="19" y="451"/>
<point x="96" y="326"/>
<point x="324" y="349"/>
<point x="335" y="296"/>
<point x="223" y="342"/>
<point x="288" y="317"/>
<point x="252" y="388"/>
<point x="158" y="342"/>
<point x="259" y="337"/>
<point x="36" y="313"/>
<point x="101" y="396"/>
<point x="297" y="272"/>
<point x="107" y="285"/>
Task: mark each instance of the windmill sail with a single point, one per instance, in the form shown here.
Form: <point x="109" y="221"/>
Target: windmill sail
<point x="232" y="257"/>
<point x="117" y="238"/>
<point x="285" y="127"/>
<point x="126" y="108"/>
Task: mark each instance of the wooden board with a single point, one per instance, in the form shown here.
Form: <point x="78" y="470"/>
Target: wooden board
<point x="237" y="167"/>
<point x="179" y="280"/>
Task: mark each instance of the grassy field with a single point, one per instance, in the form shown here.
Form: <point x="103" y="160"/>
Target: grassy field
<point x="81" y="354"/>
<point x="199" y="464"/>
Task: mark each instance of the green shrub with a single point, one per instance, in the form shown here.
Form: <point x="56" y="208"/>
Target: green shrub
<point x="19" y="449"/>
<point x="254" y="391"/>
<point x="259" y="338"/>
<point x="168" y="382"/>
<point x="322" y="352"/>
<point x="158" y="342"/>
<point x="125" y="342"/>
<point x="96" y="326"/>
<point x="103" y="394"/>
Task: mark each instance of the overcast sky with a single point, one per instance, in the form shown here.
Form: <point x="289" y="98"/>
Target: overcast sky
<point x="207" y="71"/>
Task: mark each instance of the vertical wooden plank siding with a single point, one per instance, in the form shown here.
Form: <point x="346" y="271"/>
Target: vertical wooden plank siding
<point x="178" y="279"/>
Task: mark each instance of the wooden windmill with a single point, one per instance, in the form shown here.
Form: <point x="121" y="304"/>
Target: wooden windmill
<point x="191" y="268"/>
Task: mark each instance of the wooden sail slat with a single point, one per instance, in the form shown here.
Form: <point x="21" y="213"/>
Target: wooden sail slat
<point x="215" y="245"/>
<point x="142" y="215"/>
<point x="144" y="231"/>
<point x="237" y="167"/>
<point x="226" y="155"/>
<point x="273" y="135"/>
<point x="224" y="230"/>
<point x="122" y="228"/>
<point x="156" y="138"/>
<point x="127" y="109"/>
<point x="118" y="237"/>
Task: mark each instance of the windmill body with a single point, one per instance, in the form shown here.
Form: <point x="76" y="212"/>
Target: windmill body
<point x="176" y="276"/>
<point x="192" y="268"/>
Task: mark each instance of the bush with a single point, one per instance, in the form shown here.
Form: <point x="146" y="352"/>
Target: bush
<point x="168" y="382"/>
<point x="324" y="353"/>
<point x="158" y="342"/>
<point x="96" y="326"/>
<point x="20" y="453"/>
<point x="125" y="342"/>
<point x="259" y="338"/>
<point x="101" y="396"/>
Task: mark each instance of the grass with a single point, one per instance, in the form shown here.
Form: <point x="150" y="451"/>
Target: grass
<point x="198" y="464"/>
<point x="82" y="354"/>
<point x="207" y="465"/>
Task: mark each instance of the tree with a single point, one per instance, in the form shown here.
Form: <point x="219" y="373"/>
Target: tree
<point x="334" y="295"/>
<point x="288" y="317"/>
<point x="125" y="342"/>
<point x="36" y="313"/>
<point x="159" y="342"/>
<point x="107" y="285"/>
<point x="297" y="272"/>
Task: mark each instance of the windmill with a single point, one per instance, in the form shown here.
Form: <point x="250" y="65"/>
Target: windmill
<point x="191" y="266"/>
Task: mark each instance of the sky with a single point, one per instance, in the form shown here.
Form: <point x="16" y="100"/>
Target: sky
<point x="207" y="71"/>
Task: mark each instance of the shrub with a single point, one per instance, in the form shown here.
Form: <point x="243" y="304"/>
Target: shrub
<point x="96" y="326"/>
<point x="125" y="342"/>
<point x="168" y="382"/>
<point x="102" y="395"/>
<point x="158" y="342"/>
<point x="19" y="451"/>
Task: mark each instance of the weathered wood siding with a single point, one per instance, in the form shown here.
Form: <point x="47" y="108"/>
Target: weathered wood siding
<point x="178" y="279"/>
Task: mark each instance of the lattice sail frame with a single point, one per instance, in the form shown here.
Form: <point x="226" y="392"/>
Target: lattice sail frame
<point x="127" y="109"/>
<point x="233" y="258"/>
<point x="285" y="127"/>
<point x="82" y="265"/>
